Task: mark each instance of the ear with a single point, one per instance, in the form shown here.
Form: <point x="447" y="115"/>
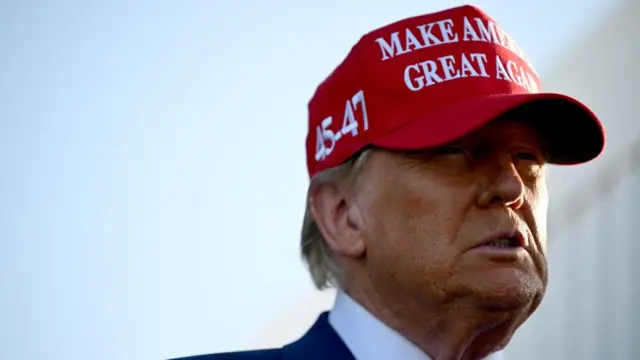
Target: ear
<point x="338" y="219"/>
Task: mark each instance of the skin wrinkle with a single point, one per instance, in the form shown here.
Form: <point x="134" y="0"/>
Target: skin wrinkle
<point x="418" y="214"/>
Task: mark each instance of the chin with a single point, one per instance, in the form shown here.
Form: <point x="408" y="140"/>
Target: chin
<point x="506" y="289"/>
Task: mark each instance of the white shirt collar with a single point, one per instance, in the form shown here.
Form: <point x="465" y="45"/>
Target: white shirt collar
<point x="368" y="338"/>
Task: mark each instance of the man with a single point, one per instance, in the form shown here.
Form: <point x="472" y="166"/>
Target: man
<point x="427" y="153"/>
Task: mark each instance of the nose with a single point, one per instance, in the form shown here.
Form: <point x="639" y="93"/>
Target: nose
<point x="504" y="186"/>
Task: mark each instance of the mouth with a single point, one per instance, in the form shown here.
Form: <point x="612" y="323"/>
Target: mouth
<point x="511" y="242"/>
<point x="504" y="240"/>
<point x="509" y="246"/>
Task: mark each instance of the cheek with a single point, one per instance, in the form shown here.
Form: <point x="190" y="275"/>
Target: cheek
<point x="409" y="236"/>
<point x="539" y="203"/>
<point x="415" y="222"/>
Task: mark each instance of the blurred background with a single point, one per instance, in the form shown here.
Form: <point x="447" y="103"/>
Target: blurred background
<point x="152" y="173"/>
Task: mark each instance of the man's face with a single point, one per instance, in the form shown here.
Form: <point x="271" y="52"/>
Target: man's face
<point x="427" y="217"/>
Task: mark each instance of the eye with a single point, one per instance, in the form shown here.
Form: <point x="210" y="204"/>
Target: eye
<point x="527" y="156"/>
<point x="448" y="150"/>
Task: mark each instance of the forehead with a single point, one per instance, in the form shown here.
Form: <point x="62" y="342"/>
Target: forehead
<point x="510" y="129"/>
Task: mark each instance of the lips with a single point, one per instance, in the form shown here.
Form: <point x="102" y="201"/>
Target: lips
<point x="504" y="239"/>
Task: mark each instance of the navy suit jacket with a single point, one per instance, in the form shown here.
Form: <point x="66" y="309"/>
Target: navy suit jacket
<point x="321" y="342"/>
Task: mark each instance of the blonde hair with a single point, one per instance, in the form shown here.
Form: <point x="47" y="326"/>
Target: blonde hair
<point x="319" y="258"/>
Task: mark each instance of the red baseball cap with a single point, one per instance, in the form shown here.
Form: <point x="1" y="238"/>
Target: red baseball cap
<point x="428" y="80"/>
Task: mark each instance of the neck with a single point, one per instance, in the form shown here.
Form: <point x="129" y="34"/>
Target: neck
<point x="457" y="330"/>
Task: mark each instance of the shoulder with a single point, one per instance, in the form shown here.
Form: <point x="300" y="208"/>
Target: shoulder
<point x="268" y="354"/>
<point x="320" y="342"/>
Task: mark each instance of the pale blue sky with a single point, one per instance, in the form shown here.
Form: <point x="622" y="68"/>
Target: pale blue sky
<point x="152" y="173"/>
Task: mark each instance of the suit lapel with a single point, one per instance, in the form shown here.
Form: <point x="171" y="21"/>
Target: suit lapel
<point x="321" y="342"/>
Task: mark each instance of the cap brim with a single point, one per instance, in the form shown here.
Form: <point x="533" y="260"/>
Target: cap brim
<point x="573" y="133"/>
